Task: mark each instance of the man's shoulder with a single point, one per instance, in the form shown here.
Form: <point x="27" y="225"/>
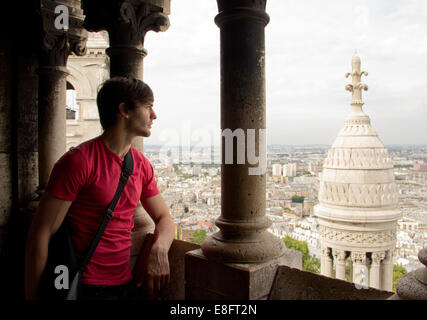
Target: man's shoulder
<point x="84" y="147"/>
<point x="139" y="158"/>
<point x="81" y="153"/>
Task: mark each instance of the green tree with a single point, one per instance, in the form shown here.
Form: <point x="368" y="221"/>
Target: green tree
<point x="298" y="199"/>
<point x="309" y="262"/>
<point x="178" y="231"/>
<point x="347" y="273"/>
<point x="398" y="272"/>
<point x="198" y="236"/>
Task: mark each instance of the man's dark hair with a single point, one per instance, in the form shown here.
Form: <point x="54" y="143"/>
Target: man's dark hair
<point x="117" y="90"/>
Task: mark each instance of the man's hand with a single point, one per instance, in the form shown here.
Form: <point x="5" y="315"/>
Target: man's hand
<point x="156" y="277"/>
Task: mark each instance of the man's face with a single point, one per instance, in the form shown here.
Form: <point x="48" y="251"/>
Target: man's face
<point x="141" y="119"/>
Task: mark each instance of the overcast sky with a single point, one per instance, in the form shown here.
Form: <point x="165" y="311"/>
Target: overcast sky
<point x="309" y="46"/>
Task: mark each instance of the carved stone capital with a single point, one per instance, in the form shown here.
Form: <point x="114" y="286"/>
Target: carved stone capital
<point x="358" y="257"/>
<point x="59" y="43"/>
<point x="127" y="21"/>
<point x="339" y="255"/>
<point x="388" y="256"/>
<point x="326" y="252"/>
<point x="55" y="50"/>
<point x="377" y="257"/>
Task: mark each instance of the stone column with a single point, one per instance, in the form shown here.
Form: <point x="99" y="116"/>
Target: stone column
<point x="52" y="142"/>
<point x="328" y="262"/>
<point x="375" y="270"/>
<point x="243" y="235"/>
<point x="387" y="271"/>
<point x="339" y="257"/>
<point x="360" y="272"/>
<point x="240" y="261"/>
<point x="322" y="260"/>
<point x="57" y="45"/>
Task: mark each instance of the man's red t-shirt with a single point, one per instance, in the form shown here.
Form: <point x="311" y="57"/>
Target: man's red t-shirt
<point x="88" y="175"/>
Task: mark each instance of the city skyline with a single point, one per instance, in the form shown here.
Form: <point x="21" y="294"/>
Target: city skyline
<point x="308" y="51"/>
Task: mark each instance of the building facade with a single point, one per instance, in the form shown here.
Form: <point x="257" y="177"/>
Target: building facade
<point x="86" y="73"/>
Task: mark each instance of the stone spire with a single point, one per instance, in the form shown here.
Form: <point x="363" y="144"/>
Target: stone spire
<point x="357" y="86"/>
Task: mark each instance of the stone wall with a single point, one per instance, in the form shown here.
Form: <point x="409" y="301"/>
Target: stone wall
<point x="5" y="135"/>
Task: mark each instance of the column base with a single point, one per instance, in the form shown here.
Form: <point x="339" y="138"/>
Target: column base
<point x="255" y="248"/>
<point x="212" y="280"/>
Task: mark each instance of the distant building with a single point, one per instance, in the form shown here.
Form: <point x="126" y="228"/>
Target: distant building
<point x="277" y="170"/>
<point x="312" y="167"/>
<point x="408" y="224"/>
<point x="420" y="167"/>
<point x="290" y="170"/>
<point x="86" y="74"/>
<point x="197" y="170"/>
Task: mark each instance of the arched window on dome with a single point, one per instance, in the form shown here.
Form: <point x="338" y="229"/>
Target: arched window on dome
<point x="72" y="108"/>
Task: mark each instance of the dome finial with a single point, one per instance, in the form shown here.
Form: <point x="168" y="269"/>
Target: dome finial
<point x="357" y="86"/>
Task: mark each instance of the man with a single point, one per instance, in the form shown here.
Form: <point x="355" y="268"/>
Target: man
<point x="82" y="185"/>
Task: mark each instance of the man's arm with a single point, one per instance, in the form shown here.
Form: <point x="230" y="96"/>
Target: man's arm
<point x="158" y="273"/>
<point x="47" y="220"/>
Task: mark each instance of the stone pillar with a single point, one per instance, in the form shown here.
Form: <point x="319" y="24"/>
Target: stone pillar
<point x="322" y="260"/>
<point x="375" y="270"/>
<point x="326" y="262"/>
<point x="329" y="263"/>
<point x="360" y="271"/>
<point x="52" y="142"/>
<point x="243" y="235"/>
<point x="57" y="45"/>
<point x="240" y="261"/>
<point x="339" y="257"/>
<point x="387" y="271"/>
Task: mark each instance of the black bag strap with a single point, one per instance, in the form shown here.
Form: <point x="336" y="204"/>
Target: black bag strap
<point x="127" y="169"/>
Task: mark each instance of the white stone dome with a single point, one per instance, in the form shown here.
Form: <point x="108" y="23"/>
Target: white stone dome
<point x="358" y="171"/>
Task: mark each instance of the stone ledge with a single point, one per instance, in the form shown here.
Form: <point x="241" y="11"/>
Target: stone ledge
<point x="294" y="284"/>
